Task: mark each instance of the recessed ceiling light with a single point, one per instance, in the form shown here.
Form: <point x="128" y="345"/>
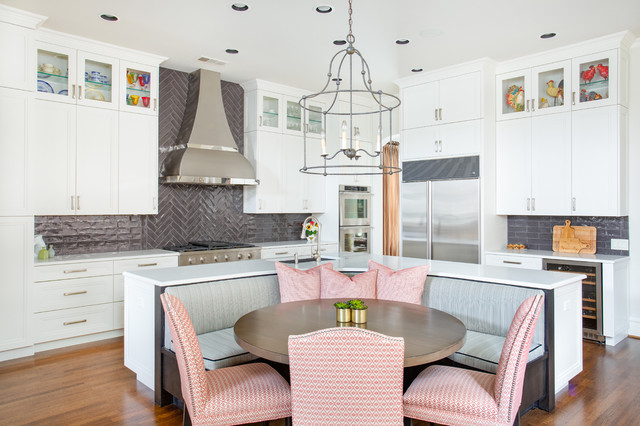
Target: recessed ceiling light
<point x="402" y="41"/>
<point x="232" y="51"/>
<point x="416" y="70"/>
<point x="324" y="8"/>
<point x="110" y="18"/>
<point x="548" y="35"/>
<point x="239" y="7"/>
<point x="339" y="42"/>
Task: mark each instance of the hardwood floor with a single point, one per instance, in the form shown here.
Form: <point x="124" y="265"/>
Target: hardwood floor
<point x="88" y="384"/>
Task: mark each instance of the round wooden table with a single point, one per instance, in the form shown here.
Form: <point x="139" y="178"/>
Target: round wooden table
<point x="429" y="334"/>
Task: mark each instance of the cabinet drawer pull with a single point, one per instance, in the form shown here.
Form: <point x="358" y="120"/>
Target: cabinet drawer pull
<point x="73" y="205"/>
<point x="79" y="92"/>
<point x="440" y="113"/>
<point x="142" y="265"/>
<point x="573" y="98"/>
<point x="528" y="103"/>
<point x="74" y="322"/>
<point x="281" y="253"/>
<point x="573" y="204"/>
<point x="155" y="104"/>
<point x="435" y="111"/>
<point x="73" y="91"/>
<point x="77" y="202"/>
<point x="512" y="262"/>
<point x="260" y="124"/>
<point x="73" y="271"/>
<point x="76" y="293"/>
<point x="533" y="204"/>
<point x="436" y="146"/>
<point x="528" y="204"/>
<point x="440" y="143"/>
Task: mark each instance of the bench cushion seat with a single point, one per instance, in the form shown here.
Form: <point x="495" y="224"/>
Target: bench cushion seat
<point x="219" y="350"/>
<point x="482" y="351"/>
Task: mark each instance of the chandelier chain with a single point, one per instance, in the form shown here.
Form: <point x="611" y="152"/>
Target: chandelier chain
<point x="350" y="19"/>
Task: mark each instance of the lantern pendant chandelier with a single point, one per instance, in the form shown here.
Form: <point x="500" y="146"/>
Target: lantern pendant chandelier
<point x="346" y="86"/>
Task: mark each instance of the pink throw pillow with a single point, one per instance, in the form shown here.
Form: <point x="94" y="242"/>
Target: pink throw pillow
<point x="299" y="285"/>
<point x="336" y="285"/>
<point x="405" y="285"/>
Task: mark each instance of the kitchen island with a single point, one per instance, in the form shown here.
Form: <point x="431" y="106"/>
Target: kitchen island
<point x="563" y="302"/>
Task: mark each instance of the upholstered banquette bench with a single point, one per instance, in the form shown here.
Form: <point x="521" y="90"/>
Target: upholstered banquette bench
<point x="486" y="309"/>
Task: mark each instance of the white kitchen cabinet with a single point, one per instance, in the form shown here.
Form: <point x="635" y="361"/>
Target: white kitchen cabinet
<point x="533" y="165"/>
<point x="138" y="88"/>
<point x="15" y="113"/>
<point x="74" y="160"/>
<point x="514" y="261"/>
<point x="447" y="140"/>
<point x="262" y="111"/>
<point x="72" y="299"/>
<point x="449" y="100"/>
<point x="534" y="91"/>
<point x="599" y="165"/>
<point x="597" y="80"/>
<point x="96" y="161"/>
<point x="264" y="152"/>
<point x="74" y="76"/>
<point x="137" y="164"/>
<point x="16" y="48"/>
<point x="286" y="252"/>
<point x="16" y="259"/>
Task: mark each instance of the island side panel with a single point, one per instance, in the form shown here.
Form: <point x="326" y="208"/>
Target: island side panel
<point x="139" y="329"/>
<point x="615" y="302"/>
<point x="567" y="333"/>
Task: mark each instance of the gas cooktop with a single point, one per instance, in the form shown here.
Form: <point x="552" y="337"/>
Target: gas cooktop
<point x="208" y="245"/>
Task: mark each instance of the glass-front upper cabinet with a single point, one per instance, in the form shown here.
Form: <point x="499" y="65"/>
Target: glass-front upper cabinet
<point x="548" y="91"/>
<point x="139" y="88"/>
<point x="297" y="119"/>
<point x="294" y="116"/>
<point x="595" y="80"/>
<point x="314" y="120"/>
<point x="269" y="117"/>
<point x="534" y="91"/>
<point x="71" y="76"/>
<point x="512" y="93"/>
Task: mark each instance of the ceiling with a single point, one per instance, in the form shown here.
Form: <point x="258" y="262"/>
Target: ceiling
<point x="288" y="42"/>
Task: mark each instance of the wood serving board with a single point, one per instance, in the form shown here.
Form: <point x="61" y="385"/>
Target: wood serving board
<point x="574" y="239"/>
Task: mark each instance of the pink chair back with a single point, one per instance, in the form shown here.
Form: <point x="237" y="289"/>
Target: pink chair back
<point x="193" y="382"/>
<point x="346" y="375"/>
<point x="513" y="359"/>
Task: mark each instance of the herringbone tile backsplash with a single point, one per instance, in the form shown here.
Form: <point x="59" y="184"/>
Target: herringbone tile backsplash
<point x="185" y="212"/>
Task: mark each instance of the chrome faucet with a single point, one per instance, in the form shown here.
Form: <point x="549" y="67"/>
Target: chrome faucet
<point x="317" y="256"/>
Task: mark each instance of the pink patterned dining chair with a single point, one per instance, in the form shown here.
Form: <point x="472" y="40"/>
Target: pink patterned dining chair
<point x="346" y="376"/>
<point x="456" y="396"/>
<point x="234" y="395"/>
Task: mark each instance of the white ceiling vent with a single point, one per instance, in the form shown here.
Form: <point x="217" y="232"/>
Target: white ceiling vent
<point x="212" y="61"/>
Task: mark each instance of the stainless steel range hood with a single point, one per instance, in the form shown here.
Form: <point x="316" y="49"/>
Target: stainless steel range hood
<point x="205" y="152"/>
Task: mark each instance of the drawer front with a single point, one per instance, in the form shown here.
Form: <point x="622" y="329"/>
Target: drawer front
<point x="120" y="266"/>
<point x="118" y="315"/>
<point x="73" y="322"/>
<point x="524" y="262"/>
<point x="277" y="253"/>
<point x="65" y="294"/>
<point x="72" y="270"/>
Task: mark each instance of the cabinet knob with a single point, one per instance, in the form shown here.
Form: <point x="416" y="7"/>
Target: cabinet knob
<point x="249" y="256"/>
<point x="239" y="256"/>
<point x="191" y="261"/>
<point x="215" y="258"/>
<point x="226" y="258"/>
<point x="202" y="259"/>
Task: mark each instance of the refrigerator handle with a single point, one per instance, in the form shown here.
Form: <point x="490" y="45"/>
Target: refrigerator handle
<point x="429" y="221"/>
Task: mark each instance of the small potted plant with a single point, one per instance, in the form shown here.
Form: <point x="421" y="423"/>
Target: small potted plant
<point x="343" y="311"/>
<point x="358" y="311"/>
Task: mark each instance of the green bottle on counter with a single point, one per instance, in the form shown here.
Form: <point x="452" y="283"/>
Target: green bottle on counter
<point x="43" y="253"/>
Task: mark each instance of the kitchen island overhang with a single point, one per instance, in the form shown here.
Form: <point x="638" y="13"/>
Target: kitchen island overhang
<point x="144" y="336"/>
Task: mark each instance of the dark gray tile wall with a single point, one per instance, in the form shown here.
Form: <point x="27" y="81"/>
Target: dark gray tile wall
<point x="185" y="212"/>
<point x="536" y="232"/>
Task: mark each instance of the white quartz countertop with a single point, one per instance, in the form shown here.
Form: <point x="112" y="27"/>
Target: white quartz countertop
<point x="96" y="257"/>
<point x="357" y="263"/>
<point x="604" y="258"/>
<point x="300" y="242"/>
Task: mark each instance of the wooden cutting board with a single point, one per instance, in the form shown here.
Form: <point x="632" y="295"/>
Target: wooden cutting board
<point x="574" y="239"/>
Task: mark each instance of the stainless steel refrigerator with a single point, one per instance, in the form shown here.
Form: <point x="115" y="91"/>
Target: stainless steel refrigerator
<point x="441" y="220"/>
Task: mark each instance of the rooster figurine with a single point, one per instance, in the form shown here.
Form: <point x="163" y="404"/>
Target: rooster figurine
<point x="555" y="92"/>
<point x="587" y="75"/>
<point x="603" y="70"/>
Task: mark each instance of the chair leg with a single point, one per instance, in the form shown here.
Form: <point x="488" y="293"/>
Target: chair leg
<point x="288" y="421"/>
<point x="516" y="421"/>
<point x="408" y="421"/>
<point x="186" y="418"/>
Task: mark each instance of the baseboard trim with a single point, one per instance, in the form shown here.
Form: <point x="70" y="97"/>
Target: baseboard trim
<point x="56" y="344"/>
<point x="634" y="327"/>
<point x="16" y="353"/>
